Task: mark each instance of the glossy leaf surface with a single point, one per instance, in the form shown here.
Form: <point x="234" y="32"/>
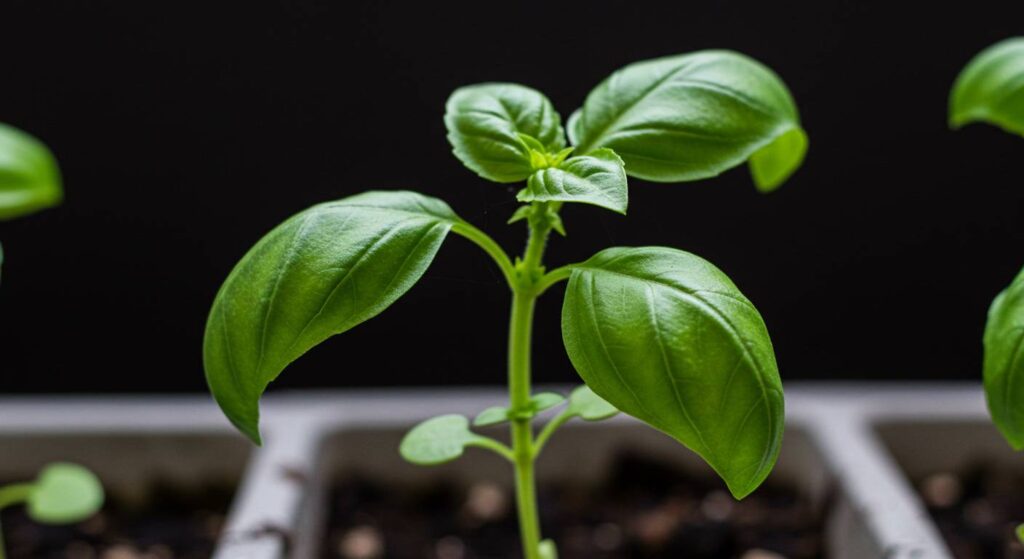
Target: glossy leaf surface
<point x="29" y="177"/>
<point x="320" y="273"/>
<point x="598" y="178"/>
<point x="486" y="123"/>
<point x="64" y="493"/>
<point x="1004" y="362"/>
<point x="666" y="337"/>
<point x="692" y="116"/>
<point x="991" y="88"/>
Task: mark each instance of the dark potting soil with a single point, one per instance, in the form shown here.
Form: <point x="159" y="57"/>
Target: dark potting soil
<point x="977" y="511"/>
<point x="645" y="510"/>
<point x="173" y="522"/>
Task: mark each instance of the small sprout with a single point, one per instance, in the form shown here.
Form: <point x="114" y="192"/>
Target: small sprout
<point x="655" y="332"/>
<point x="64" y="494"/>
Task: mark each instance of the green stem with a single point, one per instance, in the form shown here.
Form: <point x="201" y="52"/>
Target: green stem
<point x="489" y="444"/>
<point x="553" y="277"/>
<point x="561" y="419"/>
<point x="489" y="246"/>
<point x="520" y="330"/>
<point x="11" y="495"/>
<point x="522" y="431"/>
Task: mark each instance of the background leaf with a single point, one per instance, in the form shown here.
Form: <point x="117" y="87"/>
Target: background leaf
<point x="438" y="440"/>
<point x="485" y="122"/>
<point x="598" y="179"/>
<point x="586" y="405"/>
<point x="991" y="88"/>
<point x="666" y="337"/>
<point x="29" y="178"/>
<point x="688" y="117"/>
<point x="1004" y="362"/>
<point x="319" y="273"/>
<point x="64" y="493"/>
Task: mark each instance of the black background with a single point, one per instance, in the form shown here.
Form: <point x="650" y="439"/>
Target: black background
<point x="186" y="132"/>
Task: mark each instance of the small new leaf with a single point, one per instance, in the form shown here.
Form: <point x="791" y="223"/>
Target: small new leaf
<point x="320" y="273"/>
<point x="492" y="127"/>
<point x="63" y="494"/>
<point x="438" y="440"/>
<point x="548" y="550"/>
<point x="545" y="401"/>
<point x="991" y="88"/>
<point x="29" y="177"/>
<point x="1004" y="362"/>
<point x="587" y="405"/>
<point x="666" y="337"/>
<point x="491" y="416"/>
<point x="598" y="178"/>
<point x="500" y="414"/>
<point x="693" y="116"/>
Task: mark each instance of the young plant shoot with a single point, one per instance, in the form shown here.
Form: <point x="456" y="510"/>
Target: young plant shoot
<point x="655" y="332"/>
<point x="991" y="89"/>
<point x="62" y="494"/>
<point x="29" y="177"/>
<point x="30" y="181"/>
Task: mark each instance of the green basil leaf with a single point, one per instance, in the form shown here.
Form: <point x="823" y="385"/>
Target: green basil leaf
<point x="29" y="177"/>
<point x="598" y="178"/>
<point x="320" y="273"/>
<point x="774" y="163"/>
<point x="666" y="337"/>
<point x="689" y="117"/>
<point x="63" y="494"/>
<point x="485" y="123"/>
<point x="588" y="406"/>
<point x="991" y="88"/>
<point x="1004" y="362"/>
<point x="438" y="440"/>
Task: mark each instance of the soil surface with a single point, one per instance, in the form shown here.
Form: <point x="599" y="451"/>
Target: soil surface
<point x="977" y="511"/>
<point x="171" y="522"/>
<point x="645" y="510"/>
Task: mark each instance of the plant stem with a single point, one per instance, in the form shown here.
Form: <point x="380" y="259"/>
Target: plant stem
<point x="524" y="297"/>
<point x="10" y="495"/>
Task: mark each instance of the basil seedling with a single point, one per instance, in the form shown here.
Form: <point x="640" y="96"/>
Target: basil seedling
<point x="658" y="333"/>
<point x="30" y="181"/>
<point x="991" y="89"/>
<point x="62" y="494"/>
